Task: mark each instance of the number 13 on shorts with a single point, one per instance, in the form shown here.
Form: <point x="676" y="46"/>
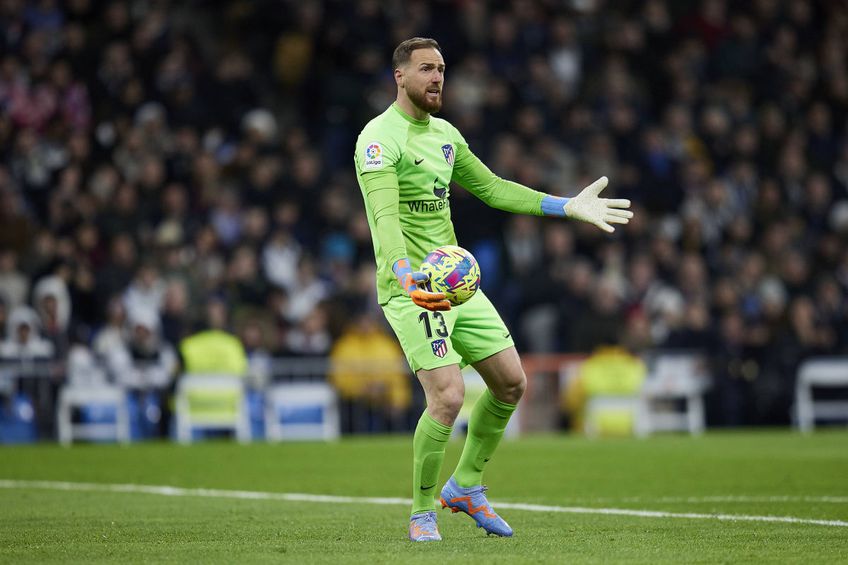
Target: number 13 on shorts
<point x="462" y="335"/>
<point x="441" y="328"/>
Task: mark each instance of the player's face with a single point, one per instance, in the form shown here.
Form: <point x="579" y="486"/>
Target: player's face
<point x="423" y="79"/>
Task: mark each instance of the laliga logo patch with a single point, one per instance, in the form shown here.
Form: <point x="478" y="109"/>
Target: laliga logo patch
<point x="440" y="348"/>
<point x="373" y="156"/>
<point x="448" y="151"/>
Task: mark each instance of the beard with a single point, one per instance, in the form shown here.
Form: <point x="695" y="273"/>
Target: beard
<point x="419" y="99"/>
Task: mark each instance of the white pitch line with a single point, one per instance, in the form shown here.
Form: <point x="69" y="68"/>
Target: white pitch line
<point x="711" y="499"/>
<point x="740" y="498"/>
<point x="302" y="497"/>
<point x="662" y="514"/>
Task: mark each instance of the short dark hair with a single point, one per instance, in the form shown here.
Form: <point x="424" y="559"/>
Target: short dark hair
<point x="404" y="51"/>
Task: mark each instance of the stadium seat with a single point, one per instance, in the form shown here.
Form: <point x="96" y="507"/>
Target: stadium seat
<point x="212" y="402"/>
<point x="105" y="397"/>
<point x="103" y="412"/>
<point x="301" y="411"/>
<point x="614" y="415"/>
<point x="672" y="394"/>
<point x="824" y="372"/>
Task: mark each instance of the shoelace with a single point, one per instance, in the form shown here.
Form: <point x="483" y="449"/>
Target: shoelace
<point x="427" y="519"/>
<point x="476" y="490"/>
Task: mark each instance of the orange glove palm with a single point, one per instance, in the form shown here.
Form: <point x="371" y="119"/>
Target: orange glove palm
<point x="412" y="283"/>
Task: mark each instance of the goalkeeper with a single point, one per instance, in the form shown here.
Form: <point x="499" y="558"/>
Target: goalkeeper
<point x="405" y="161"/>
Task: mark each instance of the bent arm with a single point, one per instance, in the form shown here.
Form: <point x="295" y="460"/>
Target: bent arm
<point x="382" y="199"/>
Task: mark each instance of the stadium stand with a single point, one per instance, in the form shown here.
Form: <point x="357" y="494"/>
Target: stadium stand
<point x="157" y="156"/>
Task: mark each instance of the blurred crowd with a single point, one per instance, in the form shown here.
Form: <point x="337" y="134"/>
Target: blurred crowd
<point x="157" y="157"/>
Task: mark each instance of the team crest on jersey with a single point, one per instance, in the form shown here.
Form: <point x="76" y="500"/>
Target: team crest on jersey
<point x="373" y="156"/>
<point x="448" y="151"/>
<point x="440" y="348"/>
<point x="439" y="191"/>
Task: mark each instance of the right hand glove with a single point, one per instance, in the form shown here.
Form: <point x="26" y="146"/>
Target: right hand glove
<point x="411" y="282"/>
<point x="600" y="212"/>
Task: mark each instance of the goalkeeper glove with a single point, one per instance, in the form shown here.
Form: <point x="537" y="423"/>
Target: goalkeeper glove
<point x="587" y="207"/>
<point x="410" y="282"/>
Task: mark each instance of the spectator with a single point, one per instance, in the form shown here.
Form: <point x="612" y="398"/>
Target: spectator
<point x="310" y="336"/>
<point x="113" y="336"/>
<point x="147" y="290"/>
<point x="600" y="324"/>
<point x="14" y="286"/>
<point x="146" y="367"/>
<point x="176" y="316"/>
<point x="52" y="301"/>
<point x="23" y="337"/>
<point x="213" y="350"/>
<point x="30" y="356"/>
<point x="245" y="284"/>
<point x="257" y="335"/>
<point x="308" y="291"/>
<point x="280" y="258"/>
<point x="368" y="372"/>
<point x="143" y="361"/>
<point x="609" y="371"/>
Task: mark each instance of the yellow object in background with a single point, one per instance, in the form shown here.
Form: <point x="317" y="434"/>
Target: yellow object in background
<point x="213" y="352"/>
<point x="611" y="372"/>
<point x="368" y="365"/>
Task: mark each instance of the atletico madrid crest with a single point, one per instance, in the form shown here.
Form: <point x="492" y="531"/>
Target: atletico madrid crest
<point x="440" y="348"/>
<point x="448" y="151"/>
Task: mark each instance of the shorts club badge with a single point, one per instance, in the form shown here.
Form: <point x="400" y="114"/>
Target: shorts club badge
<point x="440" y="348"/>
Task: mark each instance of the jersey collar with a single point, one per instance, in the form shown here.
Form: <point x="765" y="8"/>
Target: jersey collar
<point x="409" y="118"/>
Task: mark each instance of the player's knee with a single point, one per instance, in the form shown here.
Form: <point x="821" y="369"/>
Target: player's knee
<point x="513" y="389"/>
<point x="449" y="403"/>
<point x="453" y="403"/>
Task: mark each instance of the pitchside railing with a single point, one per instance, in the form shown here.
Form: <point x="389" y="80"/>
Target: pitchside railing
<point x="31" y="390"/>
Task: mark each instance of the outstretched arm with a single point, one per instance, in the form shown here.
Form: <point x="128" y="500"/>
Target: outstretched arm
<point x="474" y="176"/>
<point x="381" y="190"/>
<point x="510" y="196"/>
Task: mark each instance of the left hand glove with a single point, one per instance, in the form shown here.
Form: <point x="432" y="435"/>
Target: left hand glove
<point x="413" y="282"/>
<point x="600" y="212"/>
<point x="433" y="301"/>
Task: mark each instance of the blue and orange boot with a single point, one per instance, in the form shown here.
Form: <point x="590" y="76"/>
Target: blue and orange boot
<point x="472" y="501"/>
<point x="423" y="527"/>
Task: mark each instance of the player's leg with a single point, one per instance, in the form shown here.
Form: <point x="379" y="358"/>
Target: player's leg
<point x="482" y="338"/>
<point x="444" y="390"/>
<point x="506" y="383"/>
<point x="425" y="339"/>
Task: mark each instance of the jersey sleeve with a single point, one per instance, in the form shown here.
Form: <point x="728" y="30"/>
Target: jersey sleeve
<point x="474" y="176"/>
<point x="376" y="161"/>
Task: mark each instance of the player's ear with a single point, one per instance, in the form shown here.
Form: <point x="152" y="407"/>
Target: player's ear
<point x="399" y="77"/>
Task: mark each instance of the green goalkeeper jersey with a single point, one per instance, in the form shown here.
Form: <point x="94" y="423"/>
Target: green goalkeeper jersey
<point x="405" y="167"/>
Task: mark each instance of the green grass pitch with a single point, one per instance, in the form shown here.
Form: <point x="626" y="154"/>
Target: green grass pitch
<point x="756" y="474"/>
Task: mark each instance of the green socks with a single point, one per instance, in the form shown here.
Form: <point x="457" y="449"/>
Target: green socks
<point x="428" y="448"/>
<point x="485" y="430"/>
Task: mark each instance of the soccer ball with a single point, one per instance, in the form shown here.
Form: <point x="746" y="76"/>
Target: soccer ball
<point x="453" y="271"/>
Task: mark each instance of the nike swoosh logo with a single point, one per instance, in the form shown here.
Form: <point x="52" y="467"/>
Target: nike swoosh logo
<point x="419" y="161"/>
<point x="429" y="487"/>
<point x="506" y="336"/>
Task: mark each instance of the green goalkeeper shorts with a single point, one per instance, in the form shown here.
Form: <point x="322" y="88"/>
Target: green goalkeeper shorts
<point x="463" y="335"/>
